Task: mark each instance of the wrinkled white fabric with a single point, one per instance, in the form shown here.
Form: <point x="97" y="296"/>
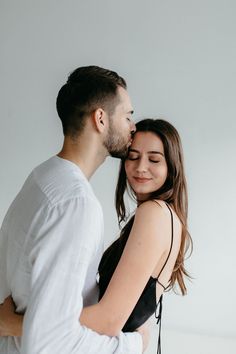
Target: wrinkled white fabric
<point x="51" y="242"/>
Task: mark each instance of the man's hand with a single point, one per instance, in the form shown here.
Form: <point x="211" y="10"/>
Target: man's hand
<point x="144" y="330"/>
<point x="10" y="322"/>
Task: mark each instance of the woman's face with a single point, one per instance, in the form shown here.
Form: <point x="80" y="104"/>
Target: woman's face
<point x="146" y="166"/>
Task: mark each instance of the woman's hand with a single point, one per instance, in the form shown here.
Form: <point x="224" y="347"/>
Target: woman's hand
<point x="10" y="322"/>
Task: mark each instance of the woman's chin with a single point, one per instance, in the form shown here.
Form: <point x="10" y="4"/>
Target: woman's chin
<point x="141" y="197"/>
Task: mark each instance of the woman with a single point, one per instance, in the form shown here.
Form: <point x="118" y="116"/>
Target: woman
<point x="150" y="250"/>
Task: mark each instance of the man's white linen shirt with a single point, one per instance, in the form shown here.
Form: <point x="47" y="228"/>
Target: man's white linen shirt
<point x="51" y="242"/>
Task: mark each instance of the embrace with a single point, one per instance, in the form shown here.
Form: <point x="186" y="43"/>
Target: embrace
<point x="51" y="239"/>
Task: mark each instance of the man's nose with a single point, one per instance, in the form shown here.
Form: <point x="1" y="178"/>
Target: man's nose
<point x="132" y="127"/>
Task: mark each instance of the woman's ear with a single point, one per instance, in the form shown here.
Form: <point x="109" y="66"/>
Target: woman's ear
<point x="100" y="120"/>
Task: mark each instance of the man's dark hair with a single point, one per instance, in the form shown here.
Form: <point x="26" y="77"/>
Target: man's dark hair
<point x="87" y="89"/>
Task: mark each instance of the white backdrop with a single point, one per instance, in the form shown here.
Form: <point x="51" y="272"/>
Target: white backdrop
<point x="178" y="58"/>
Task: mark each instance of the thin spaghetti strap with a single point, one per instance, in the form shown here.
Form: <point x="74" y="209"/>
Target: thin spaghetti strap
<point x="171" y="245"/>
<point x="158" y="314"/>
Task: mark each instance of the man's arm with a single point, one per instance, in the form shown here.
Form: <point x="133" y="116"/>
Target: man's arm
<point x="60" y="255"/>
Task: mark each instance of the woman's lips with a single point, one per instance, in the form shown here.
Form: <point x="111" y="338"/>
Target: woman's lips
<point x="142" y="179"/>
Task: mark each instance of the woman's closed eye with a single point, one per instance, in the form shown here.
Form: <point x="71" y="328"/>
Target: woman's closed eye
<point x="154" y="161"/>
<point x="132" y="157"/>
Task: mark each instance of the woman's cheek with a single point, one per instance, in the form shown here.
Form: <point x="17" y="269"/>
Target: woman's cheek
<point x="127" y="169"/>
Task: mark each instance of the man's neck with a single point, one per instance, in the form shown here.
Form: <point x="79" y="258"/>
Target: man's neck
<point x="84" y="152"/>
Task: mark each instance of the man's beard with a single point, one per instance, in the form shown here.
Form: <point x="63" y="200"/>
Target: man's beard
<point x="116" y="145"/>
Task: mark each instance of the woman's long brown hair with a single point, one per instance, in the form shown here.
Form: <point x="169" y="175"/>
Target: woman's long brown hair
<point x="173" y="192"/>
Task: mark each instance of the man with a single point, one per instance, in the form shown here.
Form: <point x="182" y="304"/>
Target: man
<point x="51" y="237"/>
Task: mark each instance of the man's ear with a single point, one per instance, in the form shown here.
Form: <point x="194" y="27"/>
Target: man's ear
<point x="100" y="119"/>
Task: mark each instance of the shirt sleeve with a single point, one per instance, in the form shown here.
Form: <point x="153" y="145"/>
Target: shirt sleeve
<point x="60" y="253"/>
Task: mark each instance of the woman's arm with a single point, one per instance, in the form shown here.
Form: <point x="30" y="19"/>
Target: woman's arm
<point x="10" y="322"/>
<point x="148" y="242"/>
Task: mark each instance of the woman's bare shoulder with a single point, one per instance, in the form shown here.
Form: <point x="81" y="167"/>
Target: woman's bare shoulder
<point x="157" y="212"/>
<point x="155" y="206"/>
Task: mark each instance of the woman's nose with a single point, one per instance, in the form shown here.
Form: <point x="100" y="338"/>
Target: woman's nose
<point x="141" y="166"/>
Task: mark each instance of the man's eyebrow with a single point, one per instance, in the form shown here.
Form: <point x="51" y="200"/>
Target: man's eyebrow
<point x="149" y="152"/>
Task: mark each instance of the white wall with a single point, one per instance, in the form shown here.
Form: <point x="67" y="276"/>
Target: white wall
<point x="179" y="61"/>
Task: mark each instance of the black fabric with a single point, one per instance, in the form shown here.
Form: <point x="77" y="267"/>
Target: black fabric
<point x="146" y="305"/>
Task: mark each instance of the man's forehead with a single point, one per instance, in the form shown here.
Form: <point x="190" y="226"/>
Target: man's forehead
<point x="127" y="108"/>
<point x="125" y="101"/>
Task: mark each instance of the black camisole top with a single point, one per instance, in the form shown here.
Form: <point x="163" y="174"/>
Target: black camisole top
<point x="147" y="304"/>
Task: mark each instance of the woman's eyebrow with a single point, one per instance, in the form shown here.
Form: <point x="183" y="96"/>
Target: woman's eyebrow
<point x="133" y="150"/>
<point x="149" y="152"/>
<point x="156" y="152"/>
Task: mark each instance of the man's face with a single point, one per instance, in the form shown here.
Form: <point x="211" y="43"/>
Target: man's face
<point x="121" y="126"/>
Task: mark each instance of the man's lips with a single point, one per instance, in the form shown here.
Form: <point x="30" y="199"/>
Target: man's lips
<point x="141" y="179"/>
